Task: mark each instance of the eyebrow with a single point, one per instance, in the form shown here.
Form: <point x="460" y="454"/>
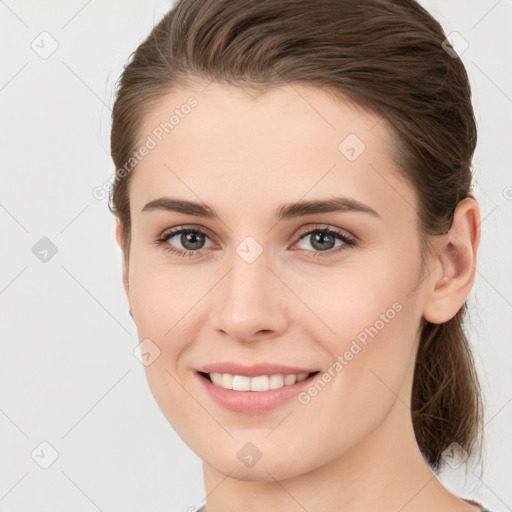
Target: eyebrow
<point x="283" y="212"/>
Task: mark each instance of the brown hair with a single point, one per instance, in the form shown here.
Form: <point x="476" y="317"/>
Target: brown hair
<point x="386" y="55"/>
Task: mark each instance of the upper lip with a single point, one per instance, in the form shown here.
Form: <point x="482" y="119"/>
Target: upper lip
<point x="253" y="370"/>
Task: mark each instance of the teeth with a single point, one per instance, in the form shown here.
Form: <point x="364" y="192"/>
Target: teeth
<point x="276" y="381"/>
<point x="290" y="379"/>
<point x="259" y="383"/>
<point x="241" y="383"/>
<point x="227" y="381"/>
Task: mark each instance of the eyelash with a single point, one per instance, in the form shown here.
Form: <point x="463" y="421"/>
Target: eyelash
<point x="347" y="241"/>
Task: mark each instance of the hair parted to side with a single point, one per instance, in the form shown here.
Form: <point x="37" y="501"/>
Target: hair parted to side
<point x="385" y="55"/>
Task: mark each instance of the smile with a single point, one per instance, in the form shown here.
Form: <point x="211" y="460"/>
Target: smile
<point x="257" y="383"/>
<point x="255" y="389"/>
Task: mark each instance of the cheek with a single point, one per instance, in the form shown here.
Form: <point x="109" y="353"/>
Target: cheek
<point x="365" y="301"/>
<point x="164" y="306"/>
<point x="371" y="361"/>
<point x="163" y="298"/>
<point x="373" y="321"/>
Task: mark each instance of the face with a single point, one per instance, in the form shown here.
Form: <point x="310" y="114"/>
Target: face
<point x="315" y="309"/>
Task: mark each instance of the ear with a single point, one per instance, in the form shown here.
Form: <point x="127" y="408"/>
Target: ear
<point x="454" y="264"/>
<point x="119" y="240"/>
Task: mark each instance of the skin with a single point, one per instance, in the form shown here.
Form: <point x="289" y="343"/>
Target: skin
<point x="245" y="156"/>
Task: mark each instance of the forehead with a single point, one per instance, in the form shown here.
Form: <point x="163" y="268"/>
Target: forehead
<point x="228" y="142"/>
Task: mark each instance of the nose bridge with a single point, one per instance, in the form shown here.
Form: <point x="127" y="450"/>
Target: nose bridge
<point x="250" y="300"/>
<point x="248" y="277"/>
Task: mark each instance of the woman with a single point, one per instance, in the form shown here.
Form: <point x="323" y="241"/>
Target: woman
<point x="294" y="205"/>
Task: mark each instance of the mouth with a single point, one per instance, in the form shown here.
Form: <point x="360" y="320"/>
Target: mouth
<point x="258" y="383"/>
<point x="255" y="390"/>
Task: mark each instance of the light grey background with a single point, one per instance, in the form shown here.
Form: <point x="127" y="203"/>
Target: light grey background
<point x="68" y="374"/>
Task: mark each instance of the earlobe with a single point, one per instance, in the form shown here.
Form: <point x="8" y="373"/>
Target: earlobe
<point x="119" y="240"/>
<point x="119" y="233"/>
<point x="456" y="259"/>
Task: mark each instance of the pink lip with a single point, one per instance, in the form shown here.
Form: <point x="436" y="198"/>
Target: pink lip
<point x="253" y="370"/>
<point x="253" y="402"/>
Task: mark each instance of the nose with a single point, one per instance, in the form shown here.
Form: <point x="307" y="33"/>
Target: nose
<point x="252" y="301"/>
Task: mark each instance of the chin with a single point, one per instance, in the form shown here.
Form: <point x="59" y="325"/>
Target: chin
<point x="267" y="471"/>
<point x="267" y="465"/>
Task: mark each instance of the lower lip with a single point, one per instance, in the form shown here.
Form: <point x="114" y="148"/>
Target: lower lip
<point x="253" y="402"/>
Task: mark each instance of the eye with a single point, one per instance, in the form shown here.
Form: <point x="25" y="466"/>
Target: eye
<point x="192" y="240"/>
<point x="323" y="240"/>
